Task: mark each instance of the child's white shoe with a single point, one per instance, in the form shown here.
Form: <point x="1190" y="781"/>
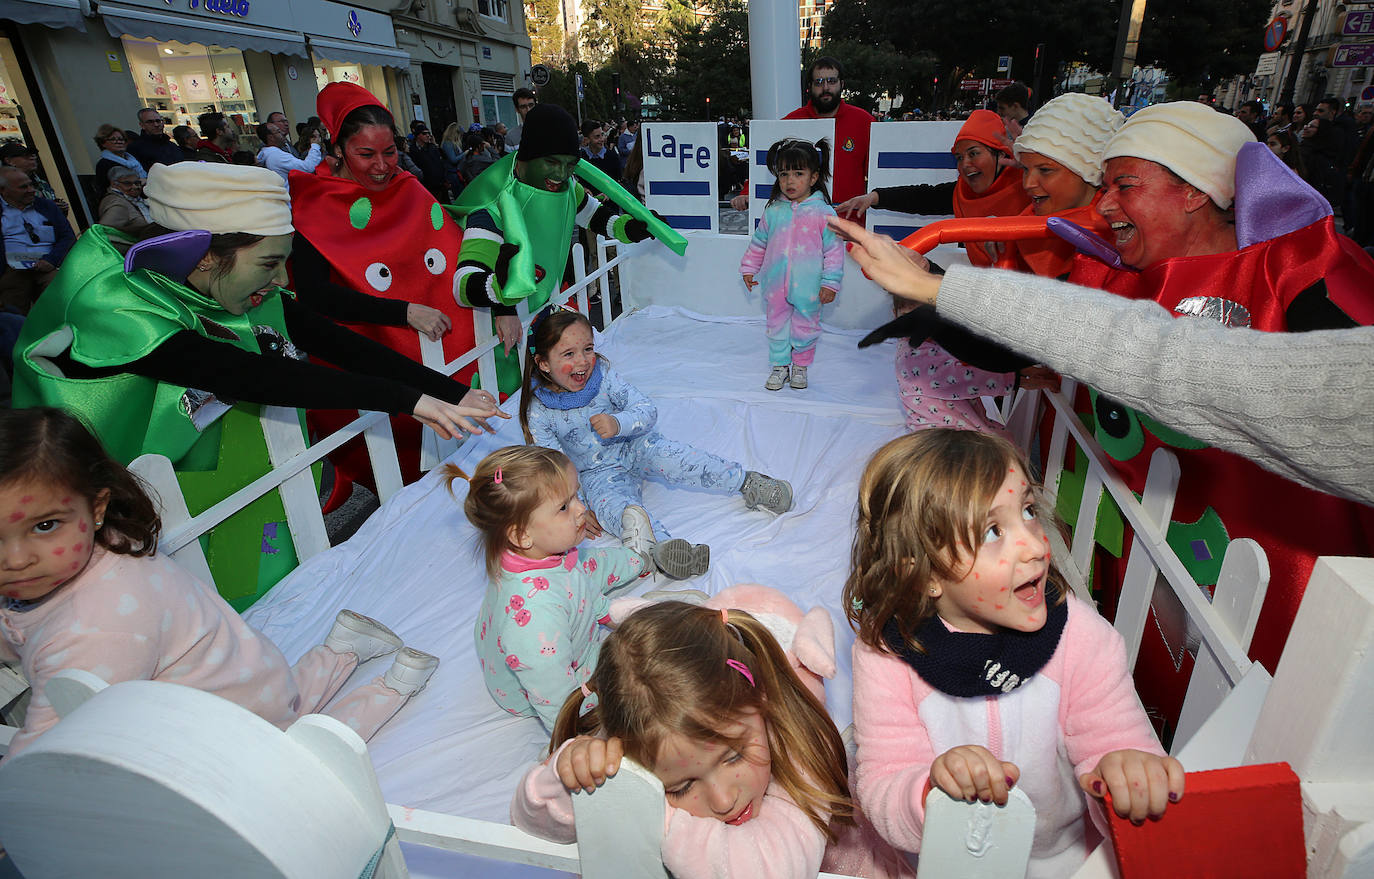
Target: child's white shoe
<point x="410" y="671"/>
<point x="798" y="377"/>
<point x="637" y="533"/>
<point x="760" y="490"/>
<point x="362" y="636"/>
<point x="776" y="379"/>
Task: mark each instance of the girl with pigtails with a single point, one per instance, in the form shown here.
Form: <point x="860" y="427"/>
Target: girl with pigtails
<point x="753" y="769"/>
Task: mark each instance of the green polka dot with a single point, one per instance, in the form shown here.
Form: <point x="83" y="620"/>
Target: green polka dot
<point x="360" y="212"/>
<point x="436" y="216"/>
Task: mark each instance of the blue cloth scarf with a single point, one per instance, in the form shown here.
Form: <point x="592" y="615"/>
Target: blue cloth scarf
<point x="560" y="399"/>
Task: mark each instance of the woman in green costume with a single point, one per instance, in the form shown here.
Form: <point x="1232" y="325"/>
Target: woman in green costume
<point x="163" y="350"/>
<point x="518" y="218"/>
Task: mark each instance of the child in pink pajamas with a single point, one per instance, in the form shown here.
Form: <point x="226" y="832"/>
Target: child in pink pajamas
<point x="752" y="767"/>
<point x="82" y="586"/>
<point x="795" y="257"/>
<point x="939" y="390"/>
<point x="974" y="669"/>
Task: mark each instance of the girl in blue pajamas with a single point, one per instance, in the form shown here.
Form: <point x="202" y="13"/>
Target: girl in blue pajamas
<point x="573" y="400"/>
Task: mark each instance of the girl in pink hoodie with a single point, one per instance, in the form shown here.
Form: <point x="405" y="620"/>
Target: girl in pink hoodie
<point x="975" y="670"/>
<point x="753" y="768"/>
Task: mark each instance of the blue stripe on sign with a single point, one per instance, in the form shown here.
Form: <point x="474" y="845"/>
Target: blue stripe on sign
<point x="688" y="222"/>
<point x="895" y="232"/>
<point x="916" y="160"/>
<point x="761" y="157"/>
<point x="763" y="190"/>
<point x="679" y="187"/>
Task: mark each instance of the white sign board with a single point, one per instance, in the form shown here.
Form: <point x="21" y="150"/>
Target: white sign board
<point x="903" y="154"/>
<point x="680" y="179"/>
<point x="1268" y="64"/>
<point x="763" y="133"/>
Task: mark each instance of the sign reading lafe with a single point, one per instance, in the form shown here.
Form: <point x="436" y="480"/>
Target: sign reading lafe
<point x="680" y="178"/>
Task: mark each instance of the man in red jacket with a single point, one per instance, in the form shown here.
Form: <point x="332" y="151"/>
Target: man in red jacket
<point x="824" y="82"/>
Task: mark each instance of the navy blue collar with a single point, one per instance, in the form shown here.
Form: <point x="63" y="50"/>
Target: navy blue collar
<point x="559" y="399"/>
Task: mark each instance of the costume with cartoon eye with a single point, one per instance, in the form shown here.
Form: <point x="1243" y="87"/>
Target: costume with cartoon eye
<point x="1288" y="253"/>
<point x="391" y="244"/>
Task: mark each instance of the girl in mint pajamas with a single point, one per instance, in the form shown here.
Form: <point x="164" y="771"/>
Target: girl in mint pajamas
<point x="795" y="258"/>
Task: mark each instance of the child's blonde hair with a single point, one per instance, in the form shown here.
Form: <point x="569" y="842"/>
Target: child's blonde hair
<point x="668" y="670"/>
<point x="505" y="490"/>
<point x="923" y="502"/>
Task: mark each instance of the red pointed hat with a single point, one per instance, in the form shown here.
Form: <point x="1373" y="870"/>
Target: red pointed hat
<point x="338" y="99"/>
<point x="984" y="126"/>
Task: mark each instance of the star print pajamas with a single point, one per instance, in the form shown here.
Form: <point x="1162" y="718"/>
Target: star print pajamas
<point x="539" y="628"/>
<point x="127" y="618"/>
<point x="792" y="255"/>
<point x="612" y="470"/>
<point x="939" y="390"/>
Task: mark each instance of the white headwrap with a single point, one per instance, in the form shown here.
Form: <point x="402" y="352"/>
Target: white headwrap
<point x="1072" y="129"/>
<point x="1194" y="141"/>
<point x="219" y="198"/>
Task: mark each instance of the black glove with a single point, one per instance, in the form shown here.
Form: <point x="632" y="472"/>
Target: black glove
<point x="924" y="323"/>
<point x="503" y="258"/>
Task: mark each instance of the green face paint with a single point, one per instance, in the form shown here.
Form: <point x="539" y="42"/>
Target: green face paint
<point x="550" y="173"/>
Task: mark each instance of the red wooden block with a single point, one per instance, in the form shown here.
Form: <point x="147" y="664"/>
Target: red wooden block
<point x="1242" y="823"/>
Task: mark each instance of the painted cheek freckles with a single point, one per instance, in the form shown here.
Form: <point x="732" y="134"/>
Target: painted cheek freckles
<point x="566" y="369"/>
<point x="17" y="515"/>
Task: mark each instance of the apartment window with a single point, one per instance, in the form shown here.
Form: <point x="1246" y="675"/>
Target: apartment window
<point x="492" y="8"/>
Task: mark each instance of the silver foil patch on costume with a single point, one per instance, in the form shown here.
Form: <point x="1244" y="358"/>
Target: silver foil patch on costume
<point x="1223" y="311"/>
<point x="274" y="343"/>
<point x="203" y="407"/>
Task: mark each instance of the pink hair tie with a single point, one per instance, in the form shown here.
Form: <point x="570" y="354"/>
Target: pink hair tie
<point x="742" y="669"/>
<point x="497" y="477"/>
<point x="586" y="694"/>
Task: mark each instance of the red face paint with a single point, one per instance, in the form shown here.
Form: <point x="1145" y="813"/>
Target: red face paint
<point x="26" y="499"/>
<point x="81" y="526"/>
<point x="17" y="515"/>
<point x="59" y="550"/>
<point x="76" y="566"/>
<point x="566" y="369"/>
<point x="77" y="547"/>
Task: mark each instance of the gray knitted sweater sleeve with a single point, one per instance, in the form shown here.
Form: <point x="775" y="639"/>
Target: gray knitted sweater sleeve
<point x="1298" y="404"/>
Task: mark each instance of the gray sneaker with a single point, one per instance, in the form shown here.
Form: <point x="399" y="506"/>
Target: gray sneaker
<point x="776" y="379"/>
<point x="637" y="533"/>
<point x="764" y="491"/>
<point x="362" y="636"/>
<point x="410" y="671"/>
<point x="678" y="559"/>
<point x="798" y="377"/>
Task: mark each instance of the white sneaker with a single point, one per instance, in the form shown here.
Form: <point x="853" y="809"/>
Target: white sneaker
<point x="637" y="533"/>
<point x="362" y="636"/>
<point x="798" y="377"/>
<point x="410" y="671"/>
<point x="776" y="379"/>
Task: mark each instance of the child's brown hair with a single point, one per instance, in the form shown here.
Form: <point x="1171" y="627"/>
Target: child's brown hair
<point x="669" y="669"/>
<point x="48" y="445"/>
<point x="505" y="490"/>
<point x="923" y="499"/>
<point x="546" y="330"/>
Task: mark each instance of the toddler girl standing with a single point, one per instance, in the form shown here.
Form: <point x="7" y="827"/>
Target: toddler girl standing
<point x="572" y="399"/>
<point x="796" y="257"/>
<point x="753" y="768"/>
<point x="82" y="586"/>
<point x="974" y="669"/>
<point x="539" y="626"/>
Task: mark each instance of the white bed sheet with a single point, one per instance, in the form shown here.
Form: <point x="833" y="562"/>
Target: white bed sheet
<point x="415" y="564"/>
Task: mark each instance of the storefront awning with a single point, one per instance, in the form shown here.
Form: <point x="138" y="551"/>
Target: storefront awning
<point x="359" y="53"/>
<point x="132" y="22"/>
<point x="53" y="13"/>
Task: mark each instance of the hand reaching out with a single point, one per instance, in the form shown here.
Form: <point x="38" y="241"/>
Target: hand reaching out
<point x="1142" y="785"/>
<point x="430" y="321"/>
<point x="451" y="421"/>
<point x="971" y="772"/>
<point x="587" y="762"/>
<point x="857" y="206"/>
<point x="509" y="331"/>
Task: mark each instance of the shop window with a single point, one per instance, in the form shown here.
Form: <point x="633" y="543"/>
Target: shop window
<point x="184" y="80"/>
<point x="492" y="8"/>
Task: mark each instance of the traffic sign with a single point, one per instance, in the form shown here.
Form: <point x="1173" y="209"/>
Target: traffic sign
<point x="1353" y="55"/>
<point x="539" y="75"/>
<point x="1274" y="33"/>
<point x="1358" y="24"/>
<point x="1268" y="64"/>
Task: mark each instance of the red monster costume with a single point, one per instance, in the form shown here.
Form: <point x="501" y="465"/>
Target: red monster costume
<point x="395" y="244"/>
<point x="1288" y="246"/>
<point x="1005" y="197"/>
<point x="1053" y="257"/>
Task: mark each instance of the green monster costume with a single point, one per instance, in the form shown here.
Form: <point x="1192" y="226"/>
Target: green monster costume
<point x="491" y="273"/>
<point x="101" y="316"/>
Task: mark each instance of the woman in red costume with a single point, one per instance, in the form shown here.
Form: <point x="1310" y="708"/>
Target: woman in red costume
<point x="988" y="186"/>
<point x="365" y="225"/>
